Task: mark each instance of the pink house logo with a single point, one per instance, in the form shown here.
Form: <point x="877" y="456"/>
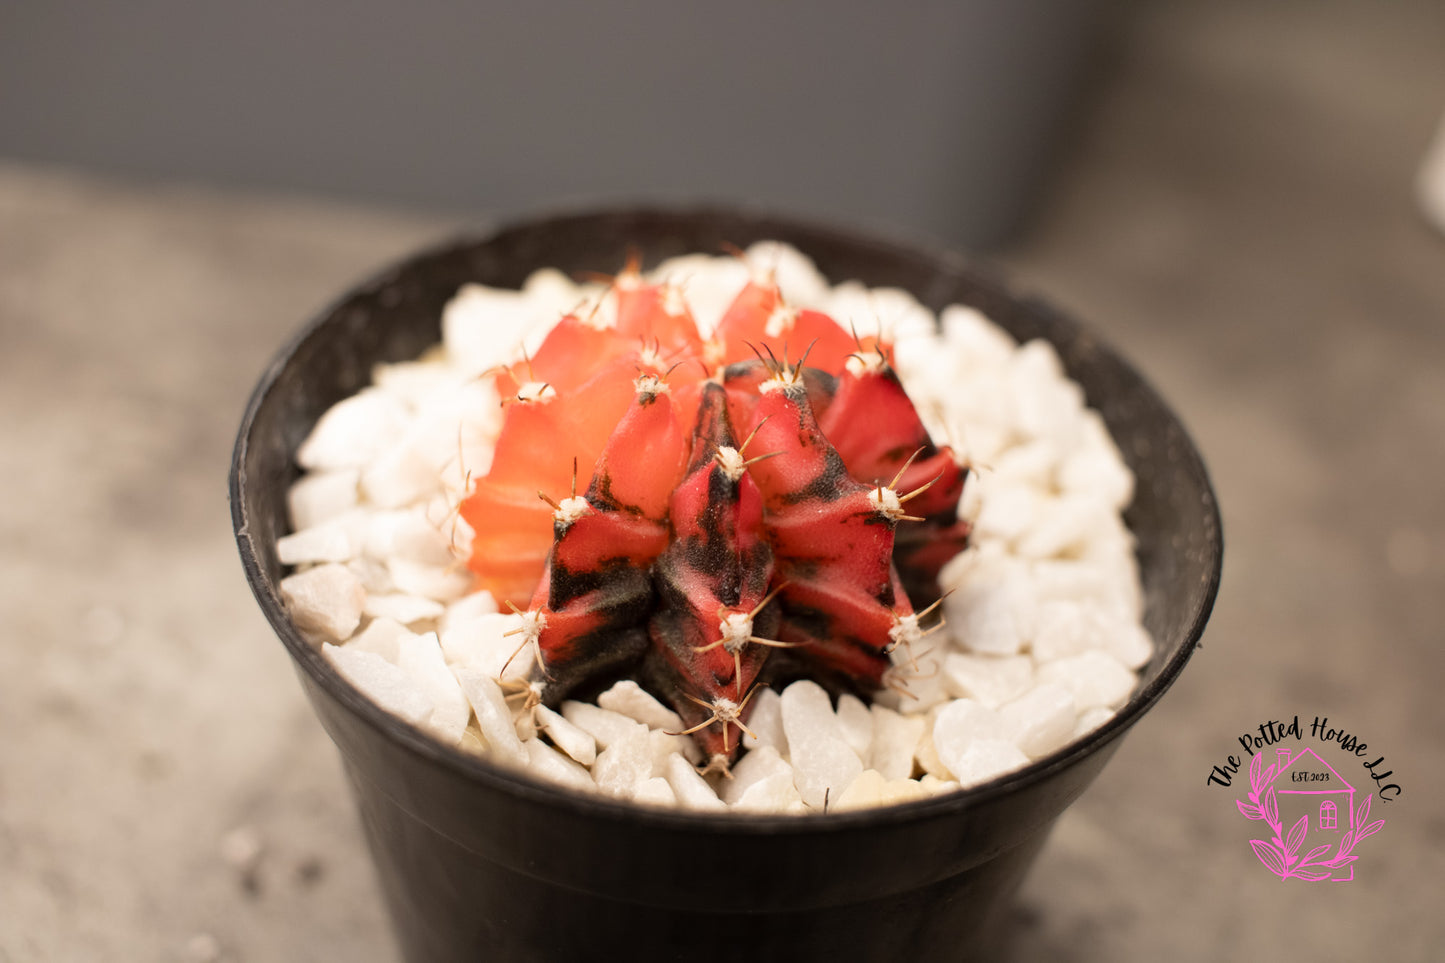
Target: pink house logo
<point x="1302" y="791"/>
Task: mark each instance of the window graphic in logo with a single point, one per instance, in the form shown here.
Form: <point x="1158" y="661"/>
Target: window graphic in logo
<point x="1326" y="823"/>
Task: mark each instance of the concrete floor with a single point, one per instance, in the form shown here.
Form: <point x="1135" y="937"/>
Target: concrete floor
<point x="1236" y="215"/>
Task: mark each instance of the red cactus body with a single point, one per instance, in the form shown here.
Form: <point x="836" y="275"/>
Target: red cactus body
<point x="770" y="521"/>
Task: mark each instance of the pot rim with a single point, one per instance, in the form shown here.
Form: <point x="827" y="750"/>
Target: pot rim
<point x="518" y="782"/>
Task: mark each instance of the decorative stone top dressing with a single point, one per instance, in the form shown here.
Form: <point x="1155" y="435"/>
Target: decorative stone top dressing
<point x="830" y="473"/>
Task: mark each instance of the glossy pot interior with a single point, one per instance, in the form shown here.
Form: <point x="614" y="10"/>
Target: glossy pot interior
<point x="479" y="862"/>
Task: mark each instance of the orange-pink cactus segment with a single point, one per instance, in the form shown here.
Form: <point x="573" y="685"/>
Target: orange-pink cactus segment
<point x="758" y="318"/>
<point x="656" y="313"/>
<point x="596" y="581"/>
<point x="541" y="436"/>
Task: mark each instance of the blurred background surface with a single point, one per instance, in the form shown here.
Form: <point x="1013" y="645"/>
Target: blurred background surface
<point x="1224" y="190"/>
<point x="935" y="116"/>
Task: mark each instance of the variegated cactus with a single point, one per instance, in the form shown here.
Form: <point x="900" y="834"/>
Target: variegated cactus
<point x="745" y="518"/>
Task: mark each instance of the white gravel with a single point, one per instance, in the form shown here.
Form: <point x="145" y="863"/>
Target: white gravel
<point x="1042" y="640"/>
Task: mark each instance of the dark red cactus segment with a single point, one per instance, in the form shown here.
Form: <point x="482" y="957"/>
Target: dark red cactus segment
<point x="597" y="582"/>
<point x="881" y="439"/>
<point x="832" y="537"/>
<point x="713" y="621"/>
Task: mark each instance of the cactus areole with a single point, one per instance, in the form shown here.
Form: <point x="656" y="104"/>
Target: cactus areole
<point x="706" y="515"/>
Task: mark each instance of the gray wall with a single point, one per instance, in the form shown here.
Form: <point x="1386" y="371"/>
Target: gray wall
<point x="927" y="117"/>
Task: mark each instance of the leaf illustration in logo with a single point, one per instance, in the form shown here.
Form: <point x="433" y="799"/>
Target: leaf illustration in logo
<point x="1369" y="830"/>
<point x="1315" y="853"/>
<point x="1256" y="773"/>
<point x="1313" y="875"/>
<point x="1296" y="836"/>
<point x="1269" y="855"/>
<point x="1347" y="843"/>
<point x="1362" y="813"/>
<point x="1271" y="807"/>
<point x="1250" y="812"/>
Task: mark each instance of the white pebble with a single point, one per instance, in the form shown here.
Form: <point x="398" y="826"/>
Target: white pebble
<point x="895" y="738"/>
<point x="482" y="327"/>
<point x="604" y="725"/>
<point x="934" y="786"/>
<point x="325" y="601"/>
<point x="765" y="719"/>
<point x="902" y="790"/>
<point x="980" y="342"/>
<point x="1061" y="526"/>
<point x="755" y="766"/>
<point x="353" y="432"/>
<point x="1091" y="719"/>
<point x="984" y="759"/>
<point x="773" y="794"/>
<point x="420" y="656"/>
<point x="321" y="496"/>
<point x="1029" y="466"/>
<point x="1096" y="467"/>
<point x="484" y="644"/>
<point x="570" y="739"/>
<point x="864" y="791"/>
<point x="1041" y="720"/>
<point x="1009" y="511"/>
<point x="374" y="575"/>
<point x="922" y="684"/>
<point x="691" y="789"/>
<point x="494" y="718"/>
<point x="383" y="683"/>
<point x="338" y="539"/>
<point x="382" y="636"/>
<point x="796" y="274"/>
<point x="988" y="679"/>
<point x="925" y="753"/>
<point x="655" y="792"/>
<point x="470" y="606"/>
<point x="856" y="723"/>
<point x="991" y="605"/>
<point x="821" y="759"/>
<point x="408" y="534"/>
<point x="550" y="764"/>
<point x="666" y="743"/>
<point x="961" y="722"/>
<point x="624" y="765"/>
<point x="406" y="609"/>
<point x="629" y="699"/>
<point x="444" y="583"/>
<point x="1092" y="678"/>
<point x="401" y="474"/>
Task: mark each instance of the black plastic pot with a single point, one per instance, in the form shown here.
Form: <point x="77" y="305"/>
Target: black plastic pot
<point x="480" y="863"/>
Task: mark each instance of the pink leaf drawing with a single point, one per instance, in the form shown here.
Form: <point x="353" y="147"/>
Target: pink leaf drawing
<point x="1250" y="812"/>
<point x="1313" y="875"/>
<point x="1269" y="855"/>
<point x="1315" y="853"/>
<point x="1269" y="773"/>
<point x="1296" y="836"/>
<point x="1271" y="807"/>
<point x="1347" y="843"/>
<point x="1256" y="773"/>
<point x="1369" y="830"/>
<point x="1363" y="812"/>
<point x="1339" y="861"/>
